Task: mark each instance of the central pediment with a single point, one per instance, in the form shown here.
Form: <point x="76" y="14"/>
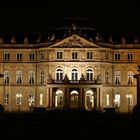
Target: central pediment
<point x="74" y="41"/>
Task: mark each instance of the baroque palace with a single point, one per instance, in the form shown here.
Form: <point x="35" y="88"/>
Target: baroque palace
<point x="76" y="71"/>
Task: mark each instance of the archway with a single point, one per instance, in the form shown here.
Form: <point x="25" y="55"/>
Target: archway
<point x="59" y="96"/>
<point x="74" y="99"/>
<point x="89" y="100"/>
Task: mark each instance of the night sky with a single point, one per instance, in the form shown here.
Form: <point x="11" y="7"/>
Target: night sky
<point x="115" y="17"/>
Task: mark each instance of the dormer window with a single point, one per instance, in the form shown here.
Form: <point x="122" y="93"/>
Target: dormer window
<point x="59" y="55"/>
<point x="89" y="55"/>
<point x="74" y="55"/>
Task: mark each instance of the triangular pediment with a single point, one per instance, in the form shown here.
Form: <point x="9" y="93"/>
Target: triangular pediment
<point x="74" y="41"/>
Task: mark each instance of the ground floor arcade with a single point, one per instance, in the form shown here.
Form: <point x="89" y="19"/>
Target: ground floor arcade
<point x="74" y="96"/>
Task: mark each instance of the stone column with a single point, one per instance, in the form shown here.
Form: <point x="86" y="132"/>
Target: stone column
<point x="83" y="98"/>
<point x="95" y="98"/>
<point x="137" y="76"/>
<point x="50" y="97"/>
<point x="80" y="98"/>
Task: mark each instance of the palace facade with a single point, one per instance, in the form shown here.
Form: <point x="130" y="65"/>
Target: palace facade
<point x="72" y="72"/>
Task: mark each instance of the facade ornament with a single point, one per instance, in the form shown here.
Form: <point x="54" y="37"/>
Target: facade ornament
<point x="39" y="39"/>
<point x="123" y="40"/>
<point x="98" y="38"/>
<point x="13" y="39"/>
<point x="26" y="41"/>
<point x="110" y="39"/>
<point x="1" y="40"/>
<point x="136" y="41"/>
<point x="52" y="37"/>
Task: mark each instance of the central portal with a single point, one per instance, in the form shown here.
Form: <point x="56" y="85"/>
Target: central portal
<point x="74" y="99"/>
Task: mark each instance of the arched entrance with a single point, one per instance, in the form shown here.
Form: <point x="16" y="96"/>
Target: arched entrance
<point x="74" y="99"/>
<point x="89" y="100"/>
<point x="59" y="96"/>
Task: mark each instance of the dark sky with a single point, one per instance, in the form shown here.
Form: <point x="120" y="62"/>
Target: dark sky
<point x="116" y="17"/>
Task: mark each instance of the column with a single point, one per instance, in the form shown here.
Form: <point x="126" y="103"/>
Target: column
<point x="50" y="97"/>
<point x="95" y="98"/>
<point x="80" y="98"/>
<point x="137" y="76"/>
<point x="83" y="98"/>
<point x="65" y="99"/>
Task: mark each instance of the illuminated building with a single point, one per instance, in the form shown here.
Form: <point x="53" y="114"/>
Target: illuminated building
<point x="76" y="71"/>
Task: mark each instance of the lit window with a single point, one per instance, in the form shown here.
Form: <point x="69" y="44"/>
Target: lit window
<point x="6" y="77"/>
<point x="117" y="100"/>
<point x="117" y="77"/>
<point x="31" y="99"/>
<point x="130" y="77"/>
<point x="107" y="99"/>
<point x="19" y="77"/>
<point x="129" y="99"/>
<point x="41" y="99"/>
<point x="31" y="77"/>
<point x="18" y="99"/>
<point x="6" y="98"/>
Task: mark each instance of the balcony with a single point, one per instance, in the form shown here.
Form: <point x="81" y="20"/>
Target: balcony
<point x="74" y="82"/>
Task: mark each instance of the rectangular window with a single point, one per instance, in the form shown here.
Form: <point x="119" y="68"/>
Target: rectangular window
<point x="41" y="99"/>
<point x="89" y="55"/>
<point x="107" y="99"/>
<point x="31" y="77"/>
<point x="106" y="77"/>
<point x="59" y="55"/>
<point x="74" y="55"/>
<point x="106" y="56"/>
<point x="18" y="99"/>
<point x="42" y="76"/>
<point x="31" y="99"/>
<point x="42" y="55"/>
<point x="32" y="56"/>
<point x="19" y="56"/>
<point x="130" y="56"/>
<point x="117" y="56"/>
<point x="6" y="98"/>
<point x="6" y="56"/>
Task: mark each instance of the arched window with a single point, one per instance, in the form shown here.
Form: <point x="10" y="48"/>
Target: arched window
<point x="74" y="75"/>
<point x="117" y="77"/>
<point x="117" y="100"/>
<point x="6" y="77"/>
<point x="59" y="75"/>
<point x="130" y="77"/>
<point x="31" y="77"/>
<point x="89" y="74"/>
<point x="18" y="77"/>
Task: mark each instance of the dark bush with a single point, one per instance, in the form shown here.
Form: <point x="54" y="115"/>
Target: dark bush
<point x="109" y="110"/>
<point x="39" y="109"/>
<point x="1" y="108"/>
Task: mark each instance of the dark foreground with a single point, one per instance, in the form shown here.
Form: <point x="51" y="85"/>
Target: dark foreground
<point x="68" y="124"/>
